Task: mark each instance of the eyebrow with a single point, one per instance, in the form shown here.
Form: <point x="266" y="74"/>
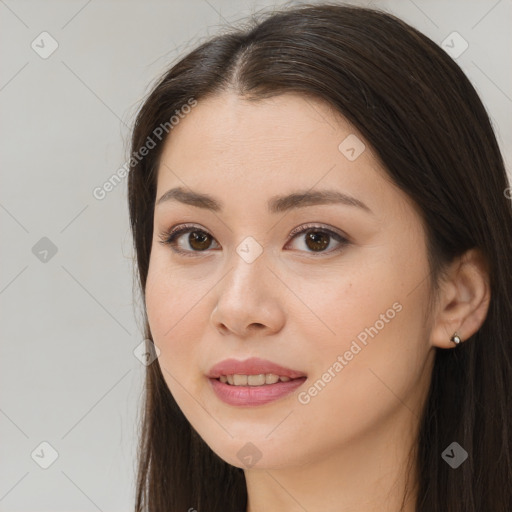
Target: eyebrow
<point x="276" y="204"/>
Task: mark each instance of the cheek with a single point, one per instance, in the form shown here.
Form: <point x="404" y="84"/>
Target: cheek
<point x="356" y="300"/>
<point x="175" y="312"/>
<point x="367" y="355"/>
<point x="179" y="311"/>
<point x="371" y="360"/>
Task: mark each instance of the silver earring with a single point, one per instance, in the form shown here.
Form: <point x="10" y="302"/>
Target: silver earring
<point x="455" y="338"/>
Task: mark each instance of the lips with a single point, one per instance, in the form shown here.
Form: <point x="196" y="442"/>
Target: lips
<point x="253" y="395"/>
<point x="252" y="366"/>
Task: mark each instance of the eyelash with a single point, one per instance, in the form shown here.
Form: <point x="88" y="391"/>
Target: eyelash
<point x="169" y="238"/>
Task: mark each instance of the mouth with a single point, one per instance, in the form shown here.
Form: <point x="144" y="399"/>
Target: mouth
<point x="253" y="381"/>
<point x="261" y="379"/>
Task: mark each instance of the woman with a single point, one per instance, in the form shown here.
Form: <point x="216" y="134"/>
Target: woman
<point x="320" y="217"/>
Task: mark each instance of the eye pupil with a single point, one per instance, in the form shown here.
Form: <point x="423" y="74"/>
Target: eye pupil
<point x="320" y="240"/>
<point x="201" y="238"/>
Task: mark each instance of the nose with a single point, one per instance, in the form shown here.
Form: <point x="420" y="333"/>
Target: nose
<point x="249" y="299"/>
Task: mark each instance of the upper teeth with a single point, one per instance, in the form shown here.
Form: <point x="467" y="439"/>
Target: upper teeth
<point x="252" y="380"/>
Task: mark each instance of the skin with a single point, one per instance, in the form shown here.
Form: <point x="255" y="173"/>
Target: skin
<point x="346" y="449"/>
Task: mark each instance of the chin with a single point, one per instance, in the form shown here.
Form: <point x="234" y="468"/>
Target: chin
<point x="256" y="451"/>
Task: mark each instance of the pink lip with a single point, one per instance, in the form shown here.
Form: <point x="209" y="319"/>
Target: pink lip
<point x="251" y="366"/>
<point x="253" y="395"/>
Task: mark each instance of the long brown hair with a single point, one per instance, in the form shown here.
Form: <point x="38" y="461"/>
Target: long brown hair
<point x="426" y="123"/>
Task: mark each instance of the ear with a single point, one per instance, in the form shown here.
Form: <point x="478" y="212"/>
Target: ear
<point x="463" y="300"/>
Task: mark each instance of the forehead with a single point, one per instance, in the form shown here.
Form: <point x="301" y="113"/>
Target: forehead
<point x="247" y="151"/>
<point x="229" y="125"/>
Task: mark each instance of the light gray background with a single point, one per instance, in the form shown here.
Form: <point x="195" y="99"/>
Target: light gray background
<point x="69" y="325"/>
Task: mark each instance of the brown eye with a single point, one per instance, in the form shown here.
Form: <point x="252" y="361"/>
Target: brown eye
<point x="199" y="240"/>
<point x="317" y="240"/>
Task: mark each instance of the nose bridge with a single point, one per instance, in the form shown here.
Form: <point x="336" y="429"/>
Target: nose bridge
<point x="247" y="292"/>
<point x="248" y="265"/>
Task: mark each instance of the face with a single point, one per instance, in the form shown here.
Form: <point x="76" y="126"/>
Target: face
<point x="333" y="290"/>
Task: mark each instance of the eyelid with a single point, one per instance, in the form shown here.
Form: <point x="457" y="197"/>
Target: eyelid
<point x="176" y="231"/>
<point x="320" y="227"/>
